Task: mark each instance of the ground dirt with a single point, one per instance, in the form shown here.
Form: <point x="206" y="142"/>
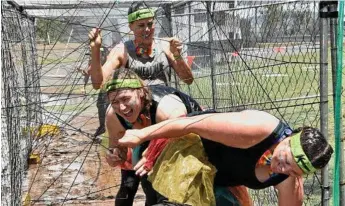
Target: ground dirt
<point x="73" y="171"/>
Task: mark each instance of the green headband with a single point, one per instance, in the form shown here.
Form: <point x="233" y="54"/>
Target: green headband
<point x="300" y="157"/>
<point x="122" y="83"/>
<point x="141" y="14"/>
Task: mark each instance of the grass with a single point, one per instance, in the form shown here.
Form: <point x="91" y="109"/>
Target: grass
<point x="277" y="44"/>
<point x="63" y="108"/>
<point x="71" y="89"/>
<point x="45" y="61"/>
<point x="60" y="53"/>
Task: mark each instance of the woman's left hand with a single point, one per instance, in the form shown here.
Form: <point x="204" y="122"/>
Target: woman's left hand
<point x="175" y="46"/>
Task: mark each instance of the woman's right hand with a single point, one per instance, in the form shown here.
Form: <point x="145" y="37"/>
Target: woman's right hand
<point x="116" y="156"/>
<point x="95" y="38"/>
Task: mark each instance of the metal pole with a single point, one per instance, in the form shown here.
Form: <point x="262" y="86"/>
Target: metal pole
<point x="324" y="94"/>
<point x="167" y="11"/>
<point x="189" y="36"/>
<point x="189" y="22"/>
<point x="256" y="23"/>
<point x="333" y="33"/>
<point x="210" y="42"/>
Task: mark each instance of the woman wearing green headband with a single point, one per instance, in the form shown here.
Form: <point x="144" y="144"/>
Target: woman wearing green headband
<point x="135" y="105"/>
<point x="251" y="148"/>
<point x="151" y="59"/>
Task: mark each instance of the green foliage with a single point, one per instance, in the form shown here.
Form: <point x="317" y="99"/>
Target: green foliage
<point x="49" y="30"/>
<point x="272" y="16"/>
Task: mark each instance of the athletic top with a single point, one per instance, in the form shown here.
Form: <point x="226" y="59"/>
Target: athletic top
<point x="155" y="69"/>
<point x="158" y="92"/>
<point x="236" y="166"/>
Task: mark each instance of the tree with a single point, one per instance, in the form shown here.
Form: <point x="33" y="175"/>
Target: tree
<point x="49" y="30"/>
<point x="271" y="19"/>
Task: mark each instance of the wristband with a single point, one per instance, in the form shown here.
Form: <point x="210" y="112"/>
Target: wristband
<point x="177" y="57"/>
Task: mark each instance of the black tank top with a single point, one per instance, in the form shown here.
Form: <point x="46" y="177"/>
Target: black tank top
<point x="158" y="92"/>
<point x="237" y="166"/>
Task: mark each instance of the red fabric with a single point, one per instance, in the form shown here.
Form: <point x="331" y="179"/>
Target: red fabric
<point x="154" y="149"/>
<point x="127" y="165"/>
<point x="190" y="60"/>
<point x="242" y="195"/>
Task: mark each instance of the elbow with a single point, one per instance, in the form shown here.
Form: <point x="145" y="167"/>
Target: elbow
<point x="96" y="86"/>
<point x="96" y="81"/>
<point x="189" y="80"/>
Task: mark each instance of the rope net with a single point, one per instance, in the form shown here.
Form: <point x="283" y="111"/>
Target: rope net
<point x="261" y="55"/>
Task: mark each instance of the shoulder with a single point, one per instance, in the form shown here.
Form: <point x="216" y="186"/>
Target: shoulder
<point x="114" y="124"/>
<point x="170" y="99"/>
<point x="170" y="106"/>
<point x="118" y="47"/>
<point x="257" y="116"/>
<point x="118" y="52"/>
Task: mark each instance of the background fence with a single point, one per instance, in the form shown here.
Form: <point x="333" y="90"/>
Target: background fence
<point x="263" y="55"/>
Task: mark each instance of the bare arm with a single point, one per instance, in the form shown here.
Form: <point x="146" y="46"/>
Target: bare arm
<point x="114" y="127"/>
<point x="115" y="59"/>
<point x="116" y="155"/>
<point x="237" y="129"/>
<point x="290" y="192"/>
<point x="96" y="68"/>
<point x="182" y="69"/>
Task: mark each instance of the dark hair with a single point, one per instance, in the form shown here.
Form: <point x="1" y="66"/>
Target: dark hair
<point x="315" y="146"/>
<point x="125" y="73"/>
<point x="137" y="5"/>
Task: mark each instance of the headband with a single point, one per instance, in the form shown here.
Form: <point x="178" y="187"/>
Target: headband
<point x="141" y="14"/>
<point x="122" y="83"/>
<point x="300" y="157"/>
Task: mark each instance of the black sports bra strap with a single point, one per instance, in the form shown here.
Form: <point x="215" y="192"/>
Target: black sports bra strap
<point x="124" y="123"/>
